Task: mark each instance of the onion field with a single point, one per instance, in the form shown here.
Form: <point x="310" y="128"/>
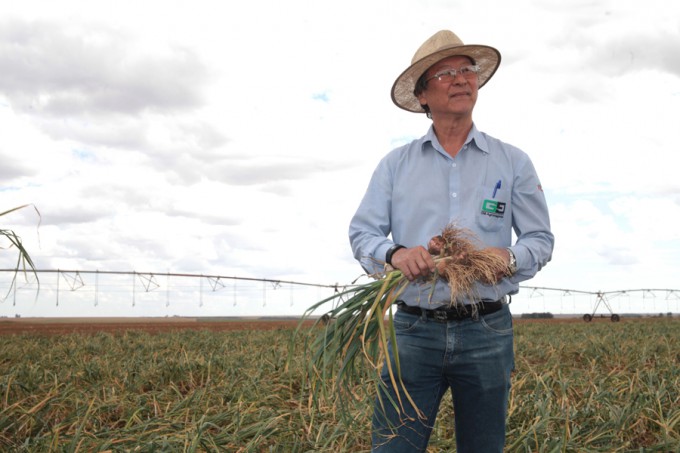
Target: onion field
<point x="578" y="387"/>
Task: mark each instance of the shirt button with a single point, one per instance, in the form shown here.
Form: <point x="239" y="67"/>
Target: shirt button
<point x="453" y="165"/>
<point x="454" y="194"/>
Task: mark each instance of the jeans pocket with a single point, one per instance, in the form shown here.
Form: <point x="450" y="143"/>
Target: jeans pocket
<point x="405" y="322"/>
<point x="499" y="323"/>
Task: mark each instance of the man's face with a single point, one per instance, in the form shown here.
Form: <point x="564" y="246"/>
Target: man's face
<point x="457" y="96"/>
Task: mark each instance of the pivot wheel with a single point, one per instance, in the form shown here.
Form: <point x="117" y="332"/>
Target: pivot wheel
<point x="587" y="318"/>
<point x="616" y="318"/>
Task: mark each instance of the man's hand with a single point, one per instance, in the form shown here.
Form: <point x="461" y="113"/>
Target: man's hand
<point x="505" y="255"/>
<point x="413" y="262"/>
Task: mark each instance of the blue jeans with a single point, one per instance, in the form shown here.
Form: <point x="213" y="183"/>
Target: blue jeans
<point x="474" y="357"/>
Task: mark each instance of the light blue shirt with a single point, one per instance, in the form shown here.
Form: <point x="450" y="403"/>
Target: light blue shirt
<point x="490" y="188"/>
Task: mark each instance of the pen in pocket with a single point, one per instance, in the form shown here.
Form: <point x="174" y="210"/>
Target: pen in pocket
<point x="495" y="189"/>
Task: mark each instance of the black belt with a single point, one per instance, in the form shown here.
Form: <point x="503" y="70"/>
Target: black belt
<point x="453" y="314"/>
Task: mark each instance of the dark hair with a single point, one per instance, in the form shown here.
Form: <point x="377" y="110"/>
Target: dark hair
<point x="421" y="85"/>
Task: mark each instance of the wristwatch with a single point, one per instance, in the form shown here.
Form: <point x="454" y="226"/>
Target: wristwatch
<point x="390" y="252"/>
<point x="512" y="265"/>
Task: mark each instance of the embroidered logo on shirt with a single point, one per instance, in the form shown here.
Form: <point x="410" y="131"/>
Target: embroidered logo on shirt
<point x="493" y="208"/>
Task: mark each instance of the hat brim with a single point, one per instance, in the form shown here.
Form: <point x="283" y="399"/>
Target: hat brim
<point x="487" y="57"/>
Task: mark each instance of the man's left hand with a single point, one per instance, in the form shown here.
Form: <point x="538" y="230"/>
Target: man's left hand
<point x="505" y="255"/>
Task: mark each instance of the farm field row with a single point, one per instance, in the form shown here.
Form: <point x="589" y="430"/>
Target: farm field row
<point x="600" y="386"/>
<point x="165" y="324"/>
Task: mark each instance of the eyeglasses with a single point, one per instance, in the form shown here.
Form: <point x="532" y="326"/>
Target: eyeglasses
<point x="449" y="75"/>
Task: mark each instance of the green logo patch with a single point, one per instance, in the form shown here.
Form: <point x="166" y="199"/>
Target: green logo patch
<point x="493" y="208"/>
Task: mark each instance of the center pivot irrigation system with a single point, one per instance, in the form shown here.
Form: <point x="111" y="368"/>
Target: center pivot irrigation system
<point x="74" y="281"/>
<point x="603" y="297"/>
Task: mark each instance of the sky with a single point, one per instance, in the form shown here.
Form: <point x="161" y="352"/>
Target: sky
<point x="237" y="138"/>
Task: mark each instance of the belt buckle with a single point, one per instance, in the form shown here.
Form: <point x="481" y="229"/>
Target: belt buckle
<point x="440" y="315"/>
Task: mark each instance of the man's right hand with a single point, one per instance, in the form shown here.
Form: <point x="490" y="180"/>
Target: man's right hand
<point x="414" y="262"/>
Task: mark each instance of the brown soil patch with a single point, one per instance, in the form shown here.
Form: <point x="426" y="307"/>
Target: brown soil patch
<point x="53" y="326"/>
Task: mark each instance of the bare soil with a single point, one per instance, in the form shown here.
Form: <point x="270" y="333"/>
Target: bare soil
<point x="54" y="326"/>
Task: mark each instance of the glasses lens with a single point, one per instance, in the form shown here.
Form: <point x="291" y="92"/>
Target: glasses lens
<point x="449" y="75"/>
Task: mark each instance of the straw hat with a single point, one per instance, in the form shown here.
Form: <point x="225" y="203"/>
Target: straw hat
<point x="442" y="44"/>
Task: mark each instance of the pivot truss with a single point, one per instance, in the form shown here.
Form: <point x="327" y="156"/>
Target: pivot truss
<point x="603" y="298"/>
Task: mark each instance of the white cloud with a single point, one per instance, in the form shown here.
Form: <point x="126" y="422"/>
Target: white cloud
<point x="239" y="139"/>
<point x="82" y="70"/>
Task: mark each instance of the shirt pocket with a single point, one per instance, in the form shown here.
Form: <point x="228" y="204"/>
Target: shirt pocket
<point x="493" y="208"/>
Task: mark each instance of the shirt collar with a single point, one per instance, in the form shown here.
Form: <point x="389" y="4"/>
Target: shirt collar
<point x="474" y="136"/>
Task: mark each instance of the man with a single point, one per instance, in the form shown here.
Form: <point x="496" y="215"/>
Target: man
<point x="454" y="174"/>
